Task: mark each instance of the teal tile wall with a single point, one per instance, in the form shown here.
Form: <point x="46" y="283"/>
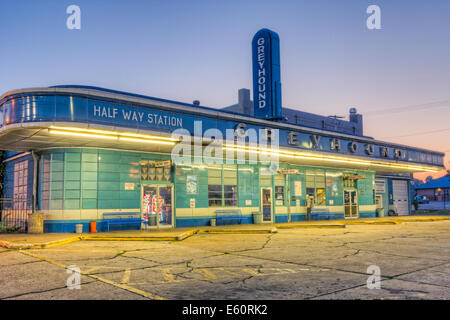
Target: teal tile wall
<point x="96" y="179"/>
<point x="181" y="197"/>
<point x="367" y="196"/>
<point x="89" y="179"/>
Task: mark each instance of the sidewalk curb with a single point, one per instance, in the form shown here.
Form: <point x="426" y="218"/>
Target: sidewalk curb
<point x="420" y="219"/>
<point x="112" y="238"/>
<point x="381" y="222"/>
<point x="242" y="231"/>
<point x="308" y="226"/>
<point x="43" y="245"/>
<point x="186" y="235"/>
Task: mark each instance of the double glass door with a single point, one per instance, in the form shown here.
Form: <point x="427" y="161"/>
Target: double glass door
<point x="350" y="204"/>
<point x="157" y="206"/>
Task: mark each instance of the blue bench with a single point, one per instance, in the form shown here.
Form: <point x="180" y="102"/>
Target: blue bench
<point x="322" y="214"/>
<point x="229" y="215"/>
<point x="121" y="218"/>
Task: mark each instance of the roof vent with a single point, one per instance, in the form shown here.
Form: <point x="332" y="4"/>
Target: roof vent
<point x="196" y="102"/>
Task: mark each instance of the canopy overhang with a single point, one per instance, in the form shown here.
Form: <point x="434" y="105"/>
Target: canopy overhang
<point x="28" y="136"/>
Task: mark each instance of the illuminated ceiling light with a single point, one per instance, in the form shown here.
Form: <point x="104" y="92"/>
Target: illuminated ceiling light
<point x="82" y="134"/>
<point x="116" y="133"/>
<point x="326" y="158"/>
<point x="147" y="141"/>
<point x="105" y="136"/>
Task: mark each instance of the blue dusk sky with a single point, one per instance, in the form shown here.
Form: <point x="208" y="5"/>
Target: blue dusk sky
<point x="398" y="77"/>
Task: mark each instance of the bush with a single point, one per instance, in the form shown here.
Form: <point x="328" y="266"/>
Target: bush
<point x="8" y="229"/>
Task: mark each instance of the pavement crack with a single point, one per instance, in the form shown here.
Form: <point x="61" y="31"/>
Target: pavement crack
<point x="269" y="238"/>
<point x="19" y="264"/>
<point x="357" y="251"/>
<point x="44" y="291"/>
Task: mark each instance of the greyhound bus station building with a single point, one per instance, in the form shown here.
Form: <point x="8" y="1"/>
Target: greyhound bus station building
<point x="80" y="152"/>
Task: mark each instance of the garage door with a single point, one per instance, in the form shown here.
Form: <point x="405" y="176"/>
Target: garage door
<point x="400" y="191"/>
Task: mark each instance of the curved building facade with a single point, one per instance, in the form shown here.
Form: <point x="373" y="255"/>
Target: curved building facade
<point x="82" y="154"/>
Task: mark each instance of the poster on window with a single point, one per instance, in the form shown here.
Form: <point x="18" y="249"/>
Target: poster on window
<point x="191" y="185"/>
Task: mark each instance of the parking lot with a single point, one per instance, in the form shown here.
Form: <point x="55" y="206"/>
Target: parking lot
<point x="413" y="257"/>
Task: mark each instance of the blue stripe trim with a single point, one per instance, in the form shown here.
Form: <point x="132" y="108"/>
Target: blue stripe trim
<point x="68" y="226"/>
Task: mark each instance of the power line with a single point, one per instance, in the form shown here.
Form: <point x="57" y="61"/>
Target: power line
<point x="417" y="133"/>
<point x="416" y="107"/>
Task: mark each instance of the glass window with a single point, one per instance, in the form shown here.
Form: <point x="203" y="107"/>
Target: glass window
<point x="315" y="186"/>
<point x="20" y="179"/>
<point x="320" y="198"/>
<point x="230" y="195"/>
<point x="222" y="193"/>
<point x="279" y="195"/>
<point x="320" y="187"/>
<point x="215" y="195"/>
<point x="230" y="185"/>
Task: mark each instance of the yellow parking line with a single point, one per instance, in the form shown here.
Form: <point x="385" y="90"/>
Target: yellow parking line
<point x="168" y="276"/>
<point x="207" y="274"/>
<point x="252" y="272"/>
<point x="126" y="276"/>
<point x="118" y="285"/>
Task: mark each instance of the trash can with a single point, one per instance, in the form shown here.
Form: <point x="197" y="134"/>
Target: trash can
<point x="380" y="212"/>
<point x="93" y="225"/>
<point x="213" y="222"/>
<point x="78" y="228"/>
<point x="36" y="223"/>
<point x="257" y="217"/>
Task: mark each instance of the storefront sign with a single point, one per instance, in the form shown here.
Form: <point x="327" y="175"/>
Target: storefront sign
<point x="288" y="171"/>
<point x="156" y="170"/>
<point x="129" y="185"/>
<point x="166" y="163"/>
<point x="266" y="75"/>
<point x="134" y="115"/>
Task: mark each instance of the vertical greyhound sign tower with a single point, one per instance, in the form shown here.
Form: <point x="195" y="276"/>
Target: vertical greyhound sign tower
<point x="266" y="75"/>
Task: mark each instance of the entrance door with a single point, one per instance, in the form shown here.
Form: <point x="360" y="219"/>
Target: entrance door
<point x="266" y="204"/>
<point x="157" y="205"/>
<point x="350" y="204"/>
<point x="400" y="191"/>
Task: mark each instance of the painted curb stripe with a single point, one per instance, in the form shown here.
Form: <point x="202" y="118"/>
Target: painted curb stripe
<point x="330" y="226"/>
<point x="373" y="222"/>
<point x="244" y="231"/>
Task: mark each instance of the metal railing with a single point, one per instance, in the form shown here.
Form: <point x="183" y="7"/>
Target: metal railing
<point x="14" y="214"/>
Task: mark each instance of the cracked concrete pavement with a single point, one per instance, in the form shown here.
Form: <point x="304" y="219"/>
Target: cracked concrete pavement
<point x="414" y="259"/>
